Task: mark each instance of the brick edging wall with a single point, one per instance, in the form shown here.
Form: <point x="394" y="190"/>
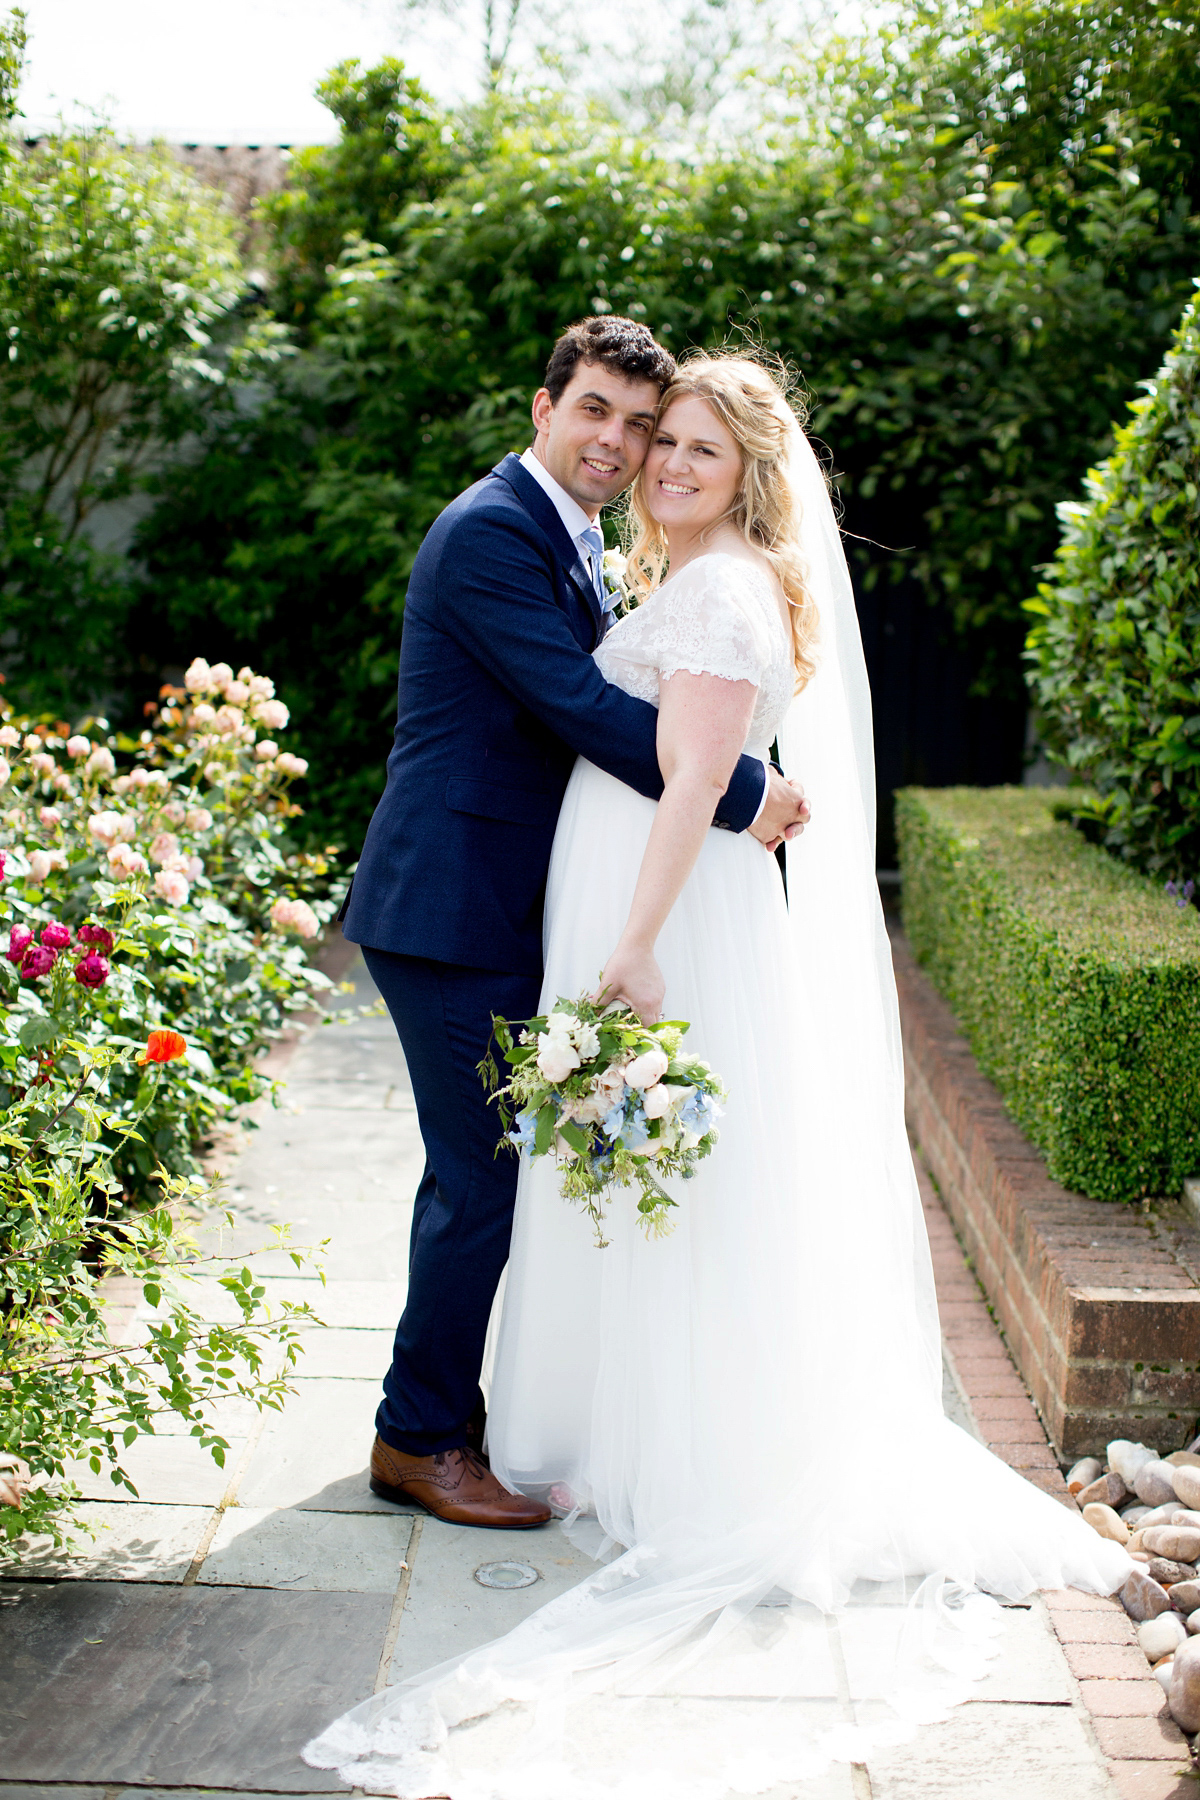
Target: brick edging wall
<point x="1100" y="1307"/>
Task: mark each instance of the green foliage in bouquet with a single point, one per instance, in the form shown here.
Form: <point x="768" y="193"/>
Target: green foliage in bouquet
<point x="1114" y="654"/>
<point x="164" y="895"/>
<point x="617" y="1103"/>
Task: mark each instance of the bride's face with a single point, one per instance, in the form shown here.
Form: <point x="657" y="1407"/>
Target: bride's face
<point x="693" y="468"/>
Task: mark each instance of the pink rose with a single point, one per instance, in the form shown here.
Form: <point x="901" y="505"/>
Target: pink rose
<point x="125" y="861"/>
<point x="287" y="764"/>
<point x="271" y="713"/>
<point x="295" y="915"/>
<point x="56" y="936"/>
<point x="220" y="675"/>
<point x="78" y="746"/>
<point x="40" y="864"/>
<point x="100" y="762"/>
<point x="93" y="971"/>
<point x="50" y="817"/>
<point x="10" y="737"/>
<point x="37" y="962"/>
<point x="62" y="781"/>
<point x="228" y="720"/>
<point x="42" y="764"/>
<point x="171" y="886"/>
<point x="237" y="693"/>
<point x="198" y="679"/>
<point x="175" y="812"/>
<point x="105" y="826"/>
<point x="19" y="939"/>
<point x="5" y="772"/>
<point x="260" y="685"/>
<point x="203" y="714"/>
<point x="164" y="847"/>
<point x="267" y="751"/>
<point x="122" y="784"/>
<point x="199" y="819"/>
<point x="193" y="868"/>
<point x="98" y="936"/>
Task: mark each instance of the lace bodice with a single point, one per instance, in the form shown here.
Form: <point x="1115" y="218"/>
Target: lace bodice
<point x="718" y="616"/>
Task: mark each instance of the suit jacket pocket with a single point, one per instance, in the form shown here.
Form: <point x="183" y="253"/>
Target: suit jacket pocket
<point x="514" y="806"/>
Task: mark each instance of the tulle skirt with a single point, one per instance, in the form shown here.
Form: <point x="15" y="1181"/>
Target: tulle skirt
<point x="745" y="1414"/>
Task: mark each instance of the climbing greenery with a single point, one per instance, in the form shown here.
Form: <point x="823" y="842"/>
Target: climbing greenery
<point x="1114" y="654"/>
<point x="1075" y="979"/>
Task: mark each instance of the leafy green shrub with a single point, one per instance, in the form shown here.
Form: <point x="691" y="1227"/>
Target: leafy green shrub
<point x="70" y="1391"/>
<point x="1115" y="657"/>
<point x="165" y="895"/>
<point x="1075" y="980"/>
<point x="973" y="244"/>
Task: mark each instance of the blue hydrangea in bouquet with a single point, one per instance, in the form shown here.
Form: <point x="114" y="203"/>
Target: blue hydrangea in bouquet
<point x="615" y="1102"/>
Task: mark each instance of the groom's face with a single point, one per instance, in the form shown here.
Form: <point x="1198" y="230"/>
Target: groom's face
<point x="593" y="438"/>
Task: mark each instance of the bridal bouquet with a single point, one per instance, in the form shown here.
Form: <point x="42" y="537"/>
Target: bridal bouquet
<point x="615" y="1102"/>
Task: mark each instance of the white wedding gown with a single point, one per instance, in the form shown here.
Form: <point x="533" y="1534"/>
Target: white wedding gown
<point x="750" y="1407"/>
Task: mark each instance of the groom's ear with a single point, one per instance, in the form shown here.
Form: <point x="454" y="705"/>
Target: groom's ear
<point x="542" y="410"/>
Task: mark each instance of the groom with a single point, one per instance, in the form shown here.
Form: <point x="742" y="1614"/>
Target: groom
<point x="498" y="694"/>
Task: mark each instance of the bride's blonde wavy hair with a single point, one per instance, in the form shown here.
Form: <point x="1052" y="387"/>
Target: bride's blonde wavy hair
<point x="752" y="401"/>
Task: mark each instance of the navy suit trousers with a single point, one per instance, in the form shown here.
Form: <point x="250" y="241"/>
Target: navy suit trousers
<point x="462" y="1221"/>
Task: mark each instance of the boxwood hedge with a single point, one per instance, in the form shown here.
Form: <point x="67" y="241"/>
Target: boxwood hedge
<point x="1075" y="980"/>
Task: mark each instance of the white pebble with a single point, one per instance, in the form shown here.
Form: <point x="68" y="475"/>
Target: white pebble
<point x="1125" y="1459"/>
<point x="1187" y="1483"/>
<point x="1162" y="1636"/>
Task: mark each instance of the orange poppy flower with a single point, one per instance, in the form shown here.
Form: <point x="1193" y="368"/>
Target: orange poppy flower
<point x="163" y="1047"/>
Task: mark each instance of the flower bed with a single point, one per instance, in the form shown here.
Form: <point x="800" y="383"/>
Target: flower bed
<point x="156" y="919"/>
<point x="1075" y="980"/>
<point x="149" y="883"/>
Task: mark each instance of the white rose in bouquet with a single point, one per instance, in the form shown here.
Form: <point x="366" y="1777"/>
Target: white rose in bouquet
<point x="646" y="1069"/>
<point x="657" y="1100"/>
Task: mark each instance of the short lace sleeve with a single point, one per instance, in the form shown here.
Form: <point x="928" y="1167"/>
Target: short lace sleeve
<point x="712" y="620"/>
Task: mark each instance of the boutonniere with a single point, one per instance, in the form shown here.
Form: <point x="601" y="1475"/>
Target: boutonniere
<point x="613" y="575"/>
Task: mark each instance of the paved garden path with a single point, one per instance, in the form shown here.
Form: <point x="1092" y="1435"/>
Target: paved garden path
<point x="223" y="1616"/>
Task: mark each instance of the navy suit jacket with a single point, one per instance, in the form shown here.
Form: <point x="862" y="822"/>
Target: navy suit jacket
<point x="498" y="694"/>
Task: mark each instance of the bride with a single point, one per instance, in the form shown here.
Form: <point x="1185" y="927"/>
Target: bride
<point x="746" y="1415"/>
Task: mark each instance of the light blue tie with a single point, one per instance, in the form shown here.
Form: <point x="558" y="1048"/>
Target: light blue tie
<point x="593" y="543"/>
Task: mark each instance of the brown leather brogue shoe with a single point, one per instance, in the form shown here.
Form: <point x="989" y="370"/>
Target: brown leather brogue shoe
<point x="453" y="1485"/>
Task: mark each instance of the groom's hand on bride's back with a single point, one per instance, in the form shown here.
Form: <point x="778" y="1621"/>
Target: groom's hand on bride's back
<point x="785" y="814"/>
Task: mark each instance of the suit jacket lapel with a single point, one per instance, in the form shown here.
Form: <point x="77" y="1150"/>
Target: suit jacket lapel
<point x="542" y="510"/>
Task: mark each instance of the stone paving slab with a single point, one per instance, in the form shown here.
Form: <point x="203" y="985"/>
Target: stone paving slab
<point x="322" y="1436"/>
<point x="133" y="1542"/>
<point x="338" y="1354"/>
<point x="448" y="1612"/>
<point x="311" y="1551"/>
<point x="986" y="1751"/>
<point x="139" y="1684"/>
<point x="170" y="1469"/>
<point x="355" y="1232"/>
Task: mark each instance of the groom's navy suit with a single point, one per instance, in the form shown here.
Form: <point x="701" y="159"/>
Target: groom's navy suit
<point x="498" y="693"/>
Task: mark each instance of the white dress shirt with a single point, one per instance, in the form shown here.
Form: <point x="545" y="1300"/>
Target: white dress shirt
<point x="577" y="522"/>
<point x="568" y="510"/>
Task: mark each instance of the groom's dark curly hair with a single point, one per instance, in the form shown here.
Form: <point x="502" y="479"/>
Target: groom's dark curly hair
<point x="621" y="345"/>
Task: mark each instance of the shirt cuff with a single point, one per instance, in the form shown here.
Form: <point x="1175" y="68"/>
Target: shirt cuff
<point x="765" y="792"/>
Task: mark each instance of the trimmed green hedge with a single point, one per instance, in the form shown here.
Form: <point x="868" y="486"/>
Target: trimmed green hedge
<point x="1075" y="980"/>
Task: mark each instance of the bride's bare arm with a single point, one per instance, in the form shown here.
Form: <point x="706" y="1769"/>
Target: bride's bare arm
<point x="702" y="726"/>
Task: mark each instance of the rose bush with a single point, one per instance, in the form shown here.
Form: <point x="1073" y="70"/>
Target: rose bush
<point x="149" y="883"/>
<point x="156" y="919"/>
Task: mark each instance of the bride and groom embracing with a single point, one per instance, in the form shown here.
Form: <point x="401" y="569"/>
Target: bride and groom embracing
<point x="700" y="1406"/>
